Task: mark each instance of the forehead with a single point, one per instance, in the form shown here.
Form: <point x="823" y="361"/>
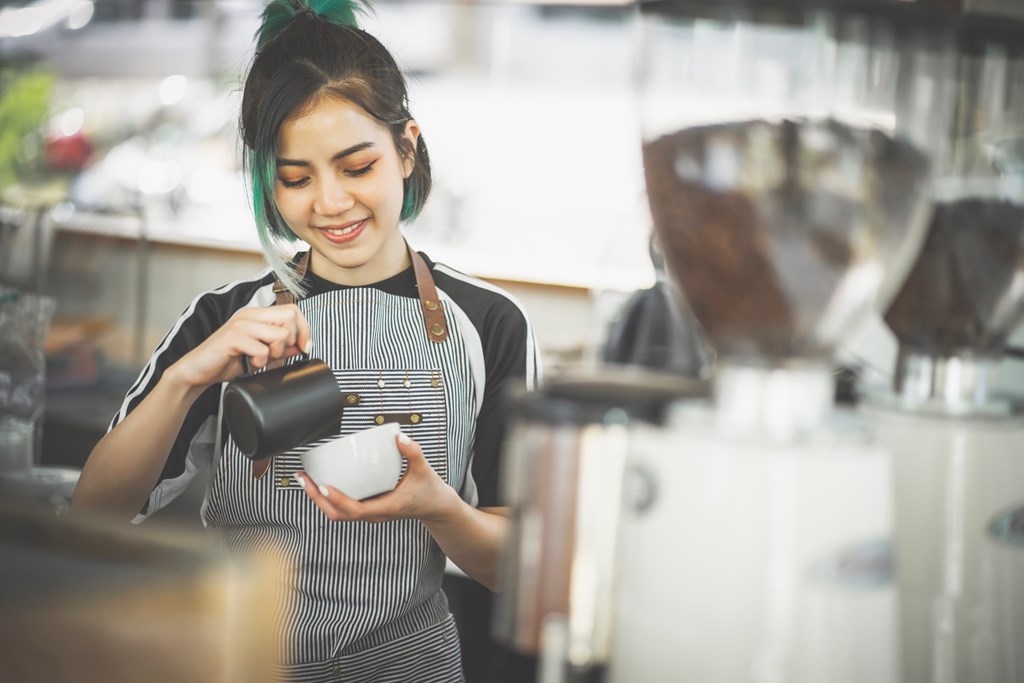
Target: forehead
<point x="329" y="125"/>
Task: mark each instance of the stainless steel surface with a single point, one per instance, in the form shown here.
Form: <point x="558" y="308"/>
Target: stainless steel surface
<point x="965" y="293"/>
<point x="959" y="498"/>
<point x="562" y="477"/>
<point x="789" y="185"/>
<point x="778" y="403"/>
<point x="566" y="492"/>
<point x="954" y="384"/>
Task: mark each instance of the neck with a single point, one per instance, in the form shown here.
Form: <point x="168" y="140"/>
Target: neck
<point x="390" y="260"/>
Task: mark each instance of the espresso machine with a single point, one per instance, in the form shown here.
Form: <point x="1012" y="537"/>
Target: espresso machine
<point x="957" y="444"/>
<point x="787" y="158"/>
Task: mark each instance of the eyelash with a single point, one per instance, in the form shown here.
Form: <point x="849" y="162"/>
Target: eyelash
<point x="361" y="171"/>
<point x="356" y="173"/>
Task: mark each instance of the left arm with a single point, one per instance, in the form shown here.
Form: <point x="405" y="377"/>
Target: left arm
<point x="472" y="538"/>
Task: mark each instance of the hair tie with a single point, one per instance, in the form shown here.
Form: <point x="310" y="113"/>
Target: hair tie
<point x="278" y="14"/>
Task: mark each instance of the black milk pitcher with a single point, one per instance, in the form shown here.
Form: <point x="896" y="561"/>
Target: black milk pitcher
<point x="271" y="412"/>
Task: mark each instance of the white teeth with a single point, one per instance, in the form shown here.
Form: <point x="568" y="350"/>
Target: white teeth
<point x="343" y="231"/>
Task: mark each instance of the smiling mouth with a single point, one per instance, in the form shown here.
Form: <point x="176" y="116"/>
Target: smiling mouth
<point x="347" y="230"/>
<point x="344" y="233"/>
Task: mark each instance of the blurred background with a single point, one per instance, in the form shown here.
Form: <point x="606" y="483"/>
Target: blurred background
<point x="122" y="193"/>
<point x="122" y="197"/>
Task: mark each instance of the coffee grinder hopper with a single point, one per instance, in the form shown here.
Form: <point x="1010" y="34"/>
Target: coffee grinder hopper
<point x="965" y="294"/>
<point x="789" y="190"/>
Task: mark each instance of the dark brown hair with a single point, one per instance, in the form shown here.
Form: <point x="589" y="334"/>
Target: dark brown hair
<point x="306" y="53"/>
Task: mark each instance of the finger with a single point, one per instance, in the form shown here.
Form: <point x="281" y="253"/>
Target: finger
<point x="409" y="449"/>
<point x="266" y="332"/>
<point x="276" y="348"/>
<point x="335" y="504"/>
<point x="304" y="338"/>
<point x="274" y="337"/>
<point x="290" y="351"/>
<point x="289" y="317"/>
<point x="255" y="350"/>
<point x="274" y="315"/>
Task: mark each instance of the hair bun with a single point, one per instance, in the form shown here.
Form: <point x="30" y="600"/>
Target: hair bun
<point x="279" y="14"/>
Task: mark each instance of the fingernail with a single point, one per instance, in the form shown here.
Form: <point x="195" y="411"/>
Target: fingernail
<point x="323" y="491"/>
<point x="300" y="479"/>
<point x="308" y="348"/>
<point x="403" y="438"/>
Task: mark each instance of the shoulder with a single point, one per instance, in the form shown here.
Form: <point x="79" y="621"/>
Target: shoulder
<point x="504" y="336"/>
<point x="203" y="316"/>
<point x="212" y="308"/>
<point x="224" y="301"/>
<point x="484" y="304"/>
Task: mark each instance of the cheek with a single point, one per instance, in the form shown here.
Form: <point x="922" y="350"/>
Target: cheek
<point x="397" y="189"/>
<point x="288" y="205"/>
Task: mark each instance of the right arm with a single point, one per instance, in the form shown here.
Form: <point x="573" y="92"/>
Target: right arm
<point x="126" y="464"/>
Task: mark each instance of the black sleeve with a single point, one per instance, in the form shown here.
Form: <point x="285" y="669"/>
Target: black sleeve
<point x="510" y="359"/>
<point x="204" y="316"/>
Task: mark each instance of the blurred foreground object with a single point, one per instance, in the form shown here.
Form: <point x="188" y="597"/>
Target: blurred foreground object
<point x="786" y="158"/>
<point x="563" y="475"/>
<point x="85" y="600"/>
<point x="958" y="444"/>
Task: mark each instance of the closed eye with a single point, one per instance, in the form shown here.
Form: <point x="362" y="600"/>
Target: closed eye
<point x="294" y="183"/>
<point x="356" y="172"/>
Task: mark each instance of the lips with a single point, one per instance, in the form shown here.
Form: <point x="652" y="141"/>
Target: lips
<point x="345" y="232"/>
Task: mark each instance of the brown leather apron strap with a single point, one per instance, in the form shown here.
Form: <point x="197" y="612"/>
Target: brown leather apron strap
<point x="430" y="304"/>
<point x="284" y="297"/>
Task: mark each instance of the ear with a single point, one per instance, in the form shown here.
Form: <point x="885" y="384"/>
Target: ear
<point x="412" y="135"/>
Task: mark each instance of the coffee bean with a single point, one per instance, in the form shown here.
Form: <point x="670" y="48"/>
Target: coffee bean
<point x="963" y="293"/>
<point x="763" y="223"/>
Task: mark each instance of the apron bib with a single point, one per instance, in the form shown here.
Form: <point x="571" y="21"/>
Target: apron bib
<point x="353" y="586"/>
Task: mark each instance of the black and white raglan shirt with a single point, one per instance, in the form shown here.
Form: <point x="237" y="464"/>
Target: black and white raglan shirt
<point x="366" y="603"/>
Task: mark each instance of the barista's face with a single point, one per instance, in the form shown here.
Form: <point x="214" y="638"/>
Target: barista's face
<point x="339" y="188"/>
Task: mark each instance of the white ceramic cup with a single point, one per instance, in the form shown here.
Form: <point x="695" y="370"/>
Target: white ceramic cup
<point x="359" y="465"/>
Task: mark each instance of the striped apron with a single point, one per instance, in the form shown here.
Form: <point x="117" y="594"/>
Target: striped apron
<point x="362" y="601"/>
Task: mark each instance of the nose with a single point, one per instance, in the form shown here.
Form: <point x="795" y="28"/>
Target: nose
<point x="333" y="199"/>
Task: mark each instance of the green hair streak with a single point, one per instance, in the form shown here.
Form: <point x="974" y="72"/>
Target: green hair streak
<point x="264" y="177"/>
<point x="278" y="14"/>
<point x="408" y="203"/>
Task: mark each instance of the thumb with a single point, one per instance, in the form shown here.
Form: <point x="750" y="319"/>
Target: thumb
<point x="409" y="449"/>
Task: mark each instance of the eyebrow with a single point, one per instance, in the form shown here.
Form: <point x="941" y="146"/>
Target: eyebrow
<point x="340" y="155"/>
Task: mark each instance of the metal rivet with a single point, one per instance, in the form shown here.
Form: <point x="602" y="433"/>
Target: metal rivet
<point x="285" y="481"/>
<point x="430" y="305"/>
<point x="352" y="399"/>
<point x="379" y="419"/>
<point x="414" y="418"/>
<point x="437" y="329"/>
<point x="434" y="381"/>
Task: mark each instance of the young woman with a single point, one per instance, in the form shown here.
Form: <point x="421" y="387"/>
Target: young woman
<point x="337" y="161"/>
